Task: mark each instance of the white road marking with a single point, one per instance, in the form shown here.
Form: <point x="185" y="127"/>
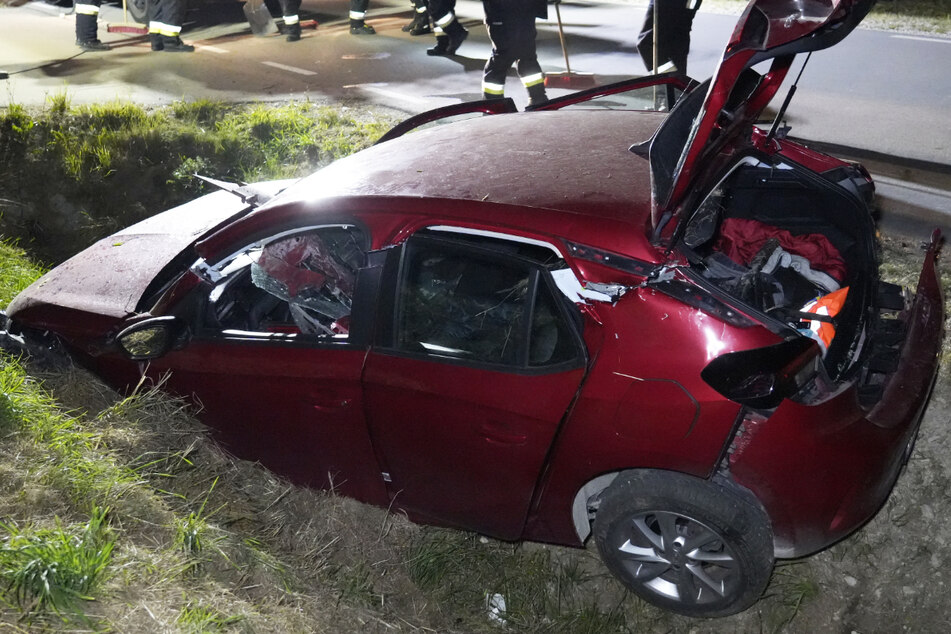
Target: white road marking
<point x="365" y="56"/>
<point x="923" y="39"/>
<point x="291" y="69"/>
<point x="211" y="49"/>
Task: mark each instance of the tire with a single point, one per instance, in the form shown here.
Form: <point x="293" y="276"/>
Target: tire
<point x="138" y="10"/>
<point x="695" y="547"/>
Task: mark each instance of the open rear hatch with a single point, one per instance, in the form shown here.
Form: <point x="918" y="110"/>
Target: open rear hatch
<point x="789" y="245"/>
<point x="722" y="111"/>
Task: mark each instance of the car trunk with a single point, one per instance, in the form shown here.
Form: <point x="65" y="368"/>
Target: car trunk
<point x="775" y="237"/>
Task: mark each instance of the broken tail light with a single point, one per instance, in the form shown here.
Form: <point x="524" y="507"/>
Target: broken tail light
<point x="762" y="377"/>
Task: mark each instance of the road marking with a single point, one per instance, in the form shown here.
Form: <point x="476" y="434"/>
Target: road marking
<point x="922" y="39"/>
<point x="212" y="49"/>
<point x="390" y="94"/>
<point x="365" y="56"/>
<point x="292" y="69"/>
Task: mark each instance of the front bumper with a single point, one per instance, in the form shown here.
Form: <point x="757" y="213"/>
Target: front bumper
<point x="822" y="471"/>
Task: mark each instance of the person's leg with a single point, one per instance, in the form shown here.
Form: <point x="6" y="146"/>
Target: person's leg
<point x="420" y="23"/>
<point x="498" y="64"/>
<point x="529" y="70"/>
<point x="290" y="10"/>
<point x="645" y="39"/>
<point x="358" y="12"/>
<point x="165" y="26"/>
<point x="450" y="34"/>
<point x="674" y="22"/>
<point x="87" y="24"/>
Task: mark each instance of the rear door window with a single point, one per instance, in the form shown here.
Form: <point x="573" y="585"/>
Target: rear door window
<point x="472" y="305"/>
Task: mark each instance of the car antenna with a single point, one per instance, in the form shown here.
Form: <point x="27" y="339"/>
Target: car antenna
<point x="789" y="96"/>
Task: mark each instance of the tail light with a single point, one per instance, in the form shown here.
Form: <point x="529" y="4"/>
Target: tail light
<point x="762" y="377"/>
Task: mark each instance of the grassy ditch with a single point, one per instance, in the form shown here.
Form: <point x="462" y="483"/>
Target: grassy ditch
<point x="120" y="513"/>
<point x="70" y="175"/>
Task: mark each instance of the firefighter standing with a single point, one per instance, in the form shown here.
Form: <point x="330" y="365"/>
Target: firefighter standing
<point x="165" y="26"/>
<point x="450" y="34"/>
<point x="511" y="26"/>
<point x="87" y="23"/>
<point x="674" y="21"/>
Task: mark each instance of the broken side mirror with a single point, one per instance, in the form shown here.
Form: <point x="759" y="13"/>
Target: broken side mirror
<point x="152" y="338"/>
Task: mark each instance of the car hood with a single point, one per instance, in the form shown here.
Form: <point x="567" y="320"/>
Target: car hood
<point x="109" y="278"/>
<point x="722" y="111"/>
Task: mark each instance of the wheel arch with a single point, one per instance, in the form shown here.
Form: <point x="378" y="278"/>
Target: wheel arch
<point x="585" y="503"/>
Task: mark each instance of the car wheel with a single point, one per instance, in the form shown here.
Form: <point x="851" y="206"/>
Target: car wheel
<point x="138" y="10"/>
<point x="696" y="547"/>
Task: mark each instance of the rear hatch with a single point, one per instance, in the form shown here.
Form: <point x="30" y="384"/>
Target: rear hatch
<point x="721" y="111"/>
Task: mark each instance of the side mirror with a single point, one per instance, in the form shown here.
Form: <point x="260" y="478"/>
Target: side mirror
<point x="152" y="338"/>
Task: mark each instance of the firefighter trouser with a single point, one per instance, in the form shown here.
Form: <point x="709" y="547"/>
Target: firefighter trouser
<point x="166" y="17"/>
<point x="513" y="42"/>
<point x="290" y="10"/>
<point x="441" y="9"/>
<point x="87" y="18"/>
<point x="674" y="21"/>
<point x="358" y="10"/>
<point x="443" y="14"/>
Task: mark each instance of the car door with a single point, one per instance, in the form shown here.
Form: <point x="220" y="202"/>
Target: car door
<point x="477" y="365"/>
<point x="277" y="356"/>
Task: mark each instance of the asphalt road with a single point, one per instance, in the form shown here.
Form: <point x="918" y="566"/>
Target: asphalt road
<point x="880" y="91"/>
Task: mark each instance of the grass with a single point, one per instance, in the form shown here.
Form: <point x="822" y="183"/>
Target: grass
<point x="17" y="271"/>
<point x="198" y="618"/>
<point x="55" y="569"/>
<point x="72" y="174"/>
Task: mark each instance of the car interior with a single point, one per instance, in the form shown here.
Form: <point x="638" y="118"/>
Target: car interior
<point x="295" y="285"/>
<point x="775" y="238"/>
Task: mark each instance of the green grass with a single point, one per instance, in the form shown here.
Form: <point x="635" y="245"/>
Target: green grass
<point x="198" y="618"/>
<point x="72" y="174"/>
<point x="17" y="272"/>
<point x="55" y="569"/>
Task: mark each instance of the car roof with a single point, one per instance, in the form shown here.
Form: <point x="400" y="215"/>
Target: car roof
<point x="574" y="161"/>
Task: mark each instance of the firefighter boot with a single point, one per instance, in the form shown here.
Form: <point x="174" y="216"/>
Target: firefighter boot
<point x="442" y="45"/>
<point x="175" y="45"/>
<point x="155" y="39"/>
<point x="457" y="35"/>
<point x="454" y="34"/>
<point x="536" y="95"/>
<point x="92" y="45"/>
<point x="420" y="23"/>
<point x="292" y="31"/>
<point x="86" y="39"/>
<point x="359" y="27"/>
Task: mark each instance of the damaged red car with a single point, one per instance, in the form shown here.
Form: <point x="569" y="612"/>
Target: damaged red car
<point x="660" y="327"/>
